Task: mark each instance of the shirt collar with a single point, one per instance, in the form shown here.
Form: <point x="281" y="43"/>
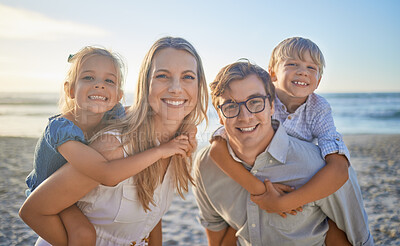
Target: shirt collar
<point x="277" y="148"/>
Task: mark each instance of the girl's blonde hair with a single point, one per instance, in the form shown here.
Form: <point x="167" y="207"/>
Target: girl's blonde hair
<point x="138" y="131"/>
<point x="296" y="47"/>
<point x="66" y="103"/>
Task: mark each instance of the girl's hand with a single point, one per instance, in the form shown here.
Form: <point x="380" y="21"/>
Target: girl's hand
<point x="177" y="146"/>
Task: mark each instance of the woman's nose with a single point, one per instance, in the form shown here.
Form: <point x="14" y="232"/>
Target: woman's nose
<point x="175" y="86"/>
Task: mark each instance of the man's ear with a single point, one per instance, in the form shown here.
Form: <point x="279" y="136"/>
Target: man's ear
<point x="220" y="117"/>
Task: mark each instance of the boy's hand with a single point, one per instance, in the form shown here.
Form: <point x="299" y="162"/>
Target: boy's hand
<point x="271" y="200"/>
<point x="192" y="140"/>
<point x="177" y="146"/>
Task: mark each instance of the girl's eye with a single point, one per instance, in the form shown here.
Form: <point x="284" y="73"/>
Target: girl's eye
<point x="110" y="81"/>
<point x="90" y="78"/>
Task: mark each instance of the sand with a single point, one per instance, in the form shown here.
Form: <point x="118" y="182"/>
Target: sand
<point x="376" y="158"/>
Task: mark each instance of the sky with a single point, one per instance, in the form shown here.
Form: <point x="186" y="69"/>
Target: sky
<point x="359" y="39"/>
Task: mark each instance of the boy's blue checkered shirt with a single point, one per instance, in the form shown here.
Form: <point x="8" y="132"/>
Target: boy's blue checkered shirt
<point x="312" y="122"/>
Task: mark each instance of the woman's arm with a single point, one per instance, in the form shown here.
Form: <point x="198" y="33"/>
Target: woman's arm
<point x="88" y="161"/>
<point x="58" y="192"/>
<point x="155" y="237"/>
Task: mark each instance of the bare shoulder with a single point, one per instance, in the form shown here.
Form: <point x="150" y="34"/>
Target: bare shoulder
<point x="109" y="146"/>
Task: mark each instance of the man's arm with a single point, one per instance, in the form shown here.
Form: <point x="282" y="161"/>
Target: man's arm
<point x="346" y="208"/>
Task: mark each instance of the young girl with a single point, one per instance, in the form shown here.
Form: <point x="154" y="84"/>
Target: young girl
<point x="93" y="88"/>
<point x="171" y="98"/>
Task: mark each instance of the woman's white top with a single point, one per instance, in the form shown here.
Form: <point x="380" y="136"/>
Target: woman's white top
<point x="117" y="214"/>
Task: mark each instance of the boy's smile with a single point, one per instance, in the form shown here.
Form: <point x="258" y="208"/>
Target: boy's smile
<point x="295" y="79"/>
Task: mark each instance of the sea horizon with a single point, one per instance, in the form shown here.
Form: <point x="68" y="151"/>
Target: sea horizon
<point x="25" y="114"/>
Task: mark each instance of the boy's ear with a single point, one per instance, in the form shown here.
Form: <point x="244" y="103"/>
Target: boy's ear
<point x="272" y="74"/>
<point x="69" y="90"/>
<point x="318" y="82"/>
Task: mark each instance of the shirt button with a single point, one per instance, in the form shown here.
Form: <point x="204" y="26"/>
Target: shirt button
<point x="337" y="139"/>
<point x="254" y="171"/>
<point x="270" y="161"/>
<point x="289" y="117"/>
<point x="253" y="225"/>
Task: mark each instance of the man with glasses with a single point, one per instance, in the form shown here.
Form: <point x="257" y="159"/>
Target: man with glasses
<point x="243" y="95"/>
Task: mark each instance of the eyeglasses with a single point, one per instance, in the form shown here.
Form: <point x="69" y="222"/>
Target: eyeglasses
<point x="254" y="105"/>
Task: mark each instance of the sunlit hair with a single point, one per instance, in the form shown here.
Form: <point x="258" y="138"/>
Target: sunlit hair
<point x="239" y="71"/>
<point x="66" y="103"/>
<point x="138" y="129"/>
<point x="293" y="48"/>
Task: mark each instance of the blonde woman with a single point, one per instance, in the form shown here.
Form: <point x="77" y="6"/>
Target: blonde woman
<point x="171" y="98"/>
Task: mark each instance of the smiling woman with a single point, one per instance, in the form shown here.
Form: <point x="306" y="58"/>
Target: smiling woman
<point x="157" y="133"/>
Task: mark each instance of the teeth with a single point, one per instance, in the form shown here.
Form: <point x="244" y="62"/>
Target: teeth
<point x="299" y="83"/>
<point x="175" y="103"/>
<point x="248" y="129"/>
<point x="98" y="98"/>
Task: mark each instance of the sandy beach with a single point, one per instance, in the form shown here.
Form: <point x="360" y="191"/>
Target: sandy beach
<point x="376" y="158"/>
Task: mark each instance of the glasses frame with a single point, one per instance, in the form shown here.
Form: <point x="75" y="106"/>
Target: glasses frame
<point x="245" y="105"/>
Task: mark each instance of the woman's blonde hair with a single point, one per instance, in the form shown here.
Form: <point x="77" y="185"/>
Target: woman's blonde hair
<point x="296" y="47"/>
<point x="138" y="131"/>
<point x="66" y="103"/>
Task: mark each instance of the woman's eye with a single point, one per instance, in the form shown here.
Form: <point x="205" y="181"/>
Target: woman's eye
<point x="110" y="81"/>
<point x="188" y="77"/>
<point x="161" y="76"/>
<point x="312" y="68"/>
<point x="291" y="64"/>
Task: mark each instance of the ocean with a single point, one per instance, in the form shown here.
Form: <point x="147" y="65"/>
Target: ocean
<point x="26" y="114"/>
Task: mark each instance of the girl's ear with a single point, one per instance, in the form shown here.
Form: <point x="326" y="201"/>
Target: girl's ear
<point x="120" y="95"/>
<point x="69" y="90"/>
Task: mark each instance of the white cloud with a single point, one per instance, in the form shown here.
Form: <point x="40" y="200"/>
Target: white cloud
<point x="23" y="24"/>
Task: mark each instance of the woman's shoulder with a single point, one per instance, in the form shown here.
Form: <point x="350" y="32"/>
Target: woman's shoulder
<point x="109" y="144"/>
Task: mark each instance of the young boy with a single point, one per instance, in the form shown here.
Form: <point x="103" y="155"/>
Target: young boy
<point x="296" y="68"/>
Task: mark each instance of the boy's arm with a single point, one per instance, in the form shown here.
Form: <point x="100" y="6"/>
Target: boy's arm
<point x="110" y="173"/>
<point x="220" y="155"/>
<point x="324" y="183"/>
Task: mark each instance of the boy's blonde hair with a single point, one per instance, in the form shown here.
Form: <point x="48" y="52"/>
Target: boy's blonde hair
<point x="138" y="129"/>
<point x="66" y="103"/>
<point x="239" y="71"/>
<point x="296" y="47"/>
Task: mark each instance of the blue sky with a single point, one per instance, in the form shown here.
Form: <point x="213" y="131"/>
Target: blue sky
<point x="360" y="39"/>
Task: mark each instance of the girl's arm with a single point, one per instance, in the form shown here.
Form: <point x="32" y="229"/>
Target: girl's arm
<point x="110" y="173"/>
<point x="220" y="155"/>
<point x="155" y="237"/>
<point x="324" y="183"/>
<point x="229" y="238"/>
<point x="61" y="190"/>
